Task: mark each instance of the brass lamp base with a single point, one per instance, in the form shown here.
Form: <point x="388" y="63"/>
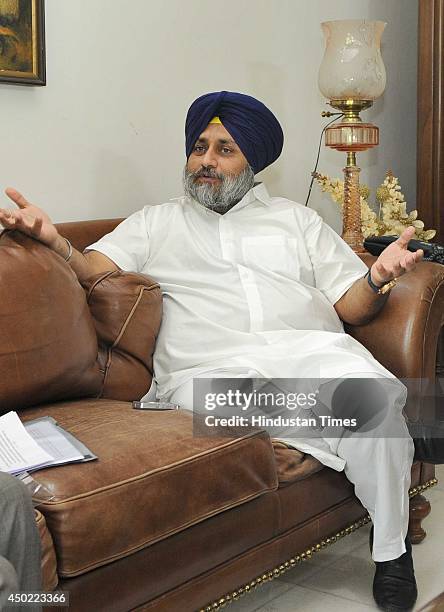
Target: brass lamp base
<point x="352" y="135"/>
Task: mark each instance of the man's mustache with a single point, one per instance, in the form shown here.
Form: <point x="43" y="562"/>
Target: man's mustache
<point x="208" y="173"/>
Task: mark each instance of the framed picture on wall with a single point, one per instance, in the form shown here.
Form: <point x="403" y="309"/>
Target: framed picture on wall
<point x="22" y="42"/>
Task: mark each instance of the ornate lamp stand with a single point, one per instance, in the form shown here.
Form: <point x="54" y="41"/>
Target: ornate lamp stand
<point x="351" y="135"/>
<point x="351" y="76"/>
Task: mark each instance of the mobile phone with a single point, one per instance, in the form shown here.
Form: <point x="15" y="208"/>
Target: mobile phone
<point x="155" y="406"/>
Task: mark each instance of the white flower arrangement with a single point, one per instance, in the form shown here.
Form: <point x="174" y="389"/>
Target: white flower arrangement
<point x="392" y="216"/>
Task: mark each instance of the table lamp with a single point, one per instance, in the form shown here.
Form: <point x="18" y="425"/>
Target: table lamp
<point x="351" y="76"/>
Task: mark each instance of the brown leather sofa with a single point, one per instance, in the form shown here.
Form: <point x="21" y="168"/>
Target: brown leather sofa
<point x="164" y="520"/>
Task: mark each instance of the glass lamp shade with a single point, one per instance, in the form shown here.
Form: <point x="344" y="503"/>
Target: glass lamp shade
<point x="352" y="66"/>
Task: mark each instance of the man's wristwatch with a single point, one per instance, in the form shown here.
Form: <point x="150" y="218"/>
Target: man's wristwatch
<point x="384" y="288"/>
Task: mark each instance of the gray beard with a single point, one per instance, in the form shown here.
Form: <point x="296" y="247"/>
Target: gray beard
<point x="224" y="196"/>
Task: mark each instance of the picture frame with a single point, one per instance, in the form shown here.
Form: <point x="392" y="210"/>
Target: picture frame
<point x="22" y="42"/>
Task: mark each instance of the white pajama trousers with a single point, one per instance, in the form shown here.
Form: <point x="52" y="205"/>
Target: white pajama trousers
<point x="378" y="466"/>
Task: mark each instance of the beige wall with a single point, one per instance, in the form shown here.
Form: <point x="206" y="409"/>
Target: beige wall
<point x="105" y="136"/>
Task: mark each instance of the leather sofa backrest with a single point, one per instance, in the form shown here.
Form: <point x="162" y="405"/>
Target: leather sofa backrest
<point x="83" y="233"/>
<point x="48" y="344"/>
<point x="56" y="342"/>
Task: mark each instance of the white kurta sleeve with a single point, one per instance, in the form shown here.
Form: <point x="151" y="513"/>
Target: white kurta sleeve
<point x="128" y="244"/>
<point x="336" y="267"/>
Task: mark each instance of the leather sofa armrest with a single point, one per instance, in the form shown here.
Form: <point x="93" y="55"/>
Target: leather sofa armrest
<point x="126" y="309"/>
<point x="404" y="336"/>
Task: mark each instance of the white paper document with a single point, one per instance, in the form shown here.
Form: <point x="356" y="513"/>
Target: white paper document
<point x="49" y="437"/>
<point x="18" y="451"/>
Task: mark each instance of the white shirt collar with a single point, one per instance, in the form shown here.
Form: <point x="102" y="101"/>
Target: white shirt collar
<point x="257" y="193"/>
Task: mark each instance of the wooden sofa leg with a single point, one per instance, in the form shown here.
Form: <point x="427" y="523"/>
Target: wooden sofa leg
<point x="419" y="509"/>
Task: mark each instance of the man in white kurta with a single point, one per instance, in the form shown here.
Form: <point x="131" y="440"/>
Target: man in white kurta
<point x="250" y="293"/>
<point x="252" y="289"/>
<point x="256" y="286"/>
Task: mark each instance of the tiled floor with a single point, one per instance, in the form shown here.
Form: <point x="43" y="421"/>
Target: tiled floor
<point x="340" y="577"/>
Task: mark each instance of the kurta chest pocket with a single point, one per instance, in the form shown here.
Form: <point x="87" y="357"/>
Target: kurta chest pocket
<point x="275" y="253"/>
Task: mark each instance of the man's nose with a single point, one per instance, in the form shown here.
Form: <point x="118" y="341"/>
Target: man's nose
<point x="209" y="159"/>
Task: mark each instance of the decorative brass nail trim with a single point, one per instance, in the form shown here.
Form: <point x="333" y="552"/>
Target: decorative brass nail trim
<point x="280" y="569"/>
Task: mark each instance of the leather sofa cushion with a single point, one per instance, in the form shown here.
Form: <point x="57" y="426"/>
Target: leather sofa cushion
<point x="153" y="478"/>
<point x="49" y="562"/>
<point x="56" y="343"/>
<point x="127" y="311"/>
<point x="48" y="345"/>
<point x="292" y="465"/>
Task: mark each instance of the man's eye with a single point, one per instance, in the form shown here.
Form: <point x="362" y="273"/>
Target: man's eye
<point x="199" y="148"/>
<point x="226" y="150"/>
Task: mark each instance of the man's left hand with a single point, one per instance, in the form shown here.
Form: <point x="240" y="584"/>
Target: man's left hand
<point x="396" y="260"/>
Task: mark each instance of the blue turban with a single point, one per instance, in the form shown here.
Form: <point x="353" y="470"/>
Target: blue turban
<point x="250" y="123"/>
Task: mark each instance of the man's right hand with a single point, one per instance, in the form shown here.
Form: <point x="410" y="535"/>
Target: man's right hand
<point x="30" y="220"/>
<point x="34" y="222"/>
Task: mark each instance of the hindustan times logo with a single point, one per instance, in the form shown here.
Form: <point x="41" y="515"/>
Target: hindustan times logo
<point x="317" y="423"/>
